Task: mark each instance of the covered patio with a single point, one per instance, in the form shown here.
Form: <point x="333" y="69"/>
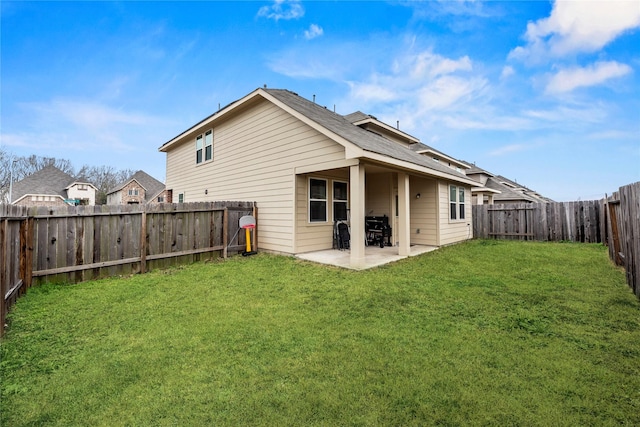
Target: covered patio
<point x="374" y="256"/>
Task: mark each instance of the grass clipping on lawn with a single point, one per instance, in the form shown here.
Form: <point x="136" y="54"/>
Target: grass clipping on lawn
<point x="481" y="333"/>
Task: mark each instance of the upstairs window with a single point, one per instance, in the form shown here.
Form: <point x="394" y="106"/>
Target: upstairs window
<point x="133" y="191"/>
<point x="199" y="145"/>
<point x="204" y="147"/>
<point x="208" y="145"/>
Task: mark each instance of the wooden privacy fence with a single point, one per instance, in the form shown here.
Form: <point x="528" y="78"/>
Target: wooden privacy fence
<point x="73" y="244"/>
<point x="566" y="221"/>
<point x="622" y="226"/>
<point x="613" y="221"/>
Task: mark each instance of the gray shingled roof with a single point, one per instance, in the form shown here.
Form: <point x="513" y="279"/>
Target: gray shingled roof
<point x="362" y="138"/>
<point x="476" y="170"/>
<point x="47" y="181"/>
<point x="357" y="116"/>
<point x="508" y="193"/>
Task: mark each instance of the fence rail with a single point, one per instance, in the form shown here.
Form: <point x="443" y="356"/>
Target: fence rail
<point x="73" y="244"/>
<point x="568" y="221"/>
<point x="613" y="221"/>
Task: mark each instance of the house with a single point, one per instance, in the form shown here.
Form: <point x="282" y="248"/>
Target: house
<point x="139" y="188"/>
<point x="500" y="190"/>
<point x="307" y="167"/>
<point x="52" y="187"/>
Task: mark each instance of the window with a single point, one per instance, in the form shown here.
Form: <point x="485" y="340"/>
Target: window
<point x="340" y="198"/>
<point x="204" y="147"/>
<point x="456" y="202"/>
<point x="461" y="202"/>
<point x="160" y="199"/>
<point x="208" y="145"/>
<point x="199" y="149"/>
<point x="317" y="200"/>
<point x="133" y="191"/>
<point x="181" y="198"/>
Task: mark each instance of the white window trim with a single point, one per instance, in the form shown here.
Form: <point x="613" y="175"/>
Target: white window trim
<point x="204" y="153"/>
<point x="333" y="198"/>
<point x="203" y="137"/>
<point x="326" y="200"/>
<point x="457" y="203"/>
<point x="200" y="150"/>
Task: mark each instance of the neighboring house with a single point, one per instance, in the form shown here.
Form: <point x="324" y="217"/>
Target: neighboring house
<point x="52" y="187"/>
<point x="497" y="189"/>
<point x="307" y="167"/>
<point x="140" y="188"/>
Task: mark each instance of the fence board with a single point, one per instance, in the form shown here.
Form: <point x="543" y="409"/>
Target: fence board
<point x="572" y="221"/>
<point x="614" y="221"/>
<point x="80" y="243"/>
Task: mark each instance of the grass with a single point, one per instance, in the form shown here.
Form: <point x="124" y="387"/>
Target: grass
<point x="481" y="333"/>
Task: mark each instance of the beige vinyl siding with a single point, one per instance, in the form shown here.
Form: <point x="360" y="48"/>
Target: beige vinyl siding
<point x="315" y="236"/>
<point x="424" y="213"/>
<point x="378" y="194"/>
<point x="254" y="156"/>
<point x="452" y="231"/>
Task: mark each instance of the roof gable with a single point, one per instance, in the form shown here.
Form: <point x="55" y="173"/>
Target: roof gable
<point x="150" y="185"/>
<point x="369" y="122"/>
<point x="358" y="141"/>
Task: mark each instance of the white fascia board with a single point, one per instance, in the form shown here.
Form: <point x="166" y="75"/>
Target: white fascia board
<point x="326" y="166"/>
<point x="485" y="190"/>
<point x="445" y="157"/>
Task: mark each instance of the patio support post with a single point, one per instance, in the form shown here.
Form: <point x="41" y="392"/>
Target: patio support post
<point x="356" y="198"/>
<point x="404" y="232"/>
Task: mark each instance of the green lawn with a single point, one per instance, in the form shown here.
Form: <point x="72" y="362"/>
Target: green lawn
<point x="481" y="333"/>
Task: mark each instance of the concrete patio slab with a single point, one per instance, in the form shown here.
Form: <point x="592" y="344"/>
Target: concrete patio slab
<point x="374" y="256"/>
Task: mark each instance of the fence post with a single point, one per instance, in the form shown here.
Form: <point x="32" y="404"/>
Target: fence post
<point x="613" y="220"/>
<point x="225" y="231"/>
<point x="143" y="240"/>
<point x="28" y="255"/>
<point x="23" y="268"/>
<point x="4" y="259"/>
<point x="255" y="229"/>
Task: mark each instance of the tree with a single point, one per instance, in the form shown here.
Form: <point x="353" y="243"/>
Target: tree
<point x="103" y="177"/>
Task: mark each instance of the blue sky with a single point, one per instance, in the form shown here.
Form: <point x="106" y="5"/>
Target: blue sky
<point x="544" y="93"/>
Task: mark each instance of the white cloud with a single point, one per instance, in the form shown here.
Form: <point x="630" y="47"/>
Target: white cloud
<point x="568" y="116"/>
<point x="569" y="79"/>
<point x="507" y="72"/>
<point x="282" y="9"/>
<point x="90" y="115"/>
<point x="429" y="65"/>
<point x="429" y="79"/>
<point x="508" y="149"/>
<point x="313" y="32"/>
<point x="71" y="124"/>
<point x="423" y="90"/>
<point x="577" y="26"/>
<point x="372" y="92"/>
